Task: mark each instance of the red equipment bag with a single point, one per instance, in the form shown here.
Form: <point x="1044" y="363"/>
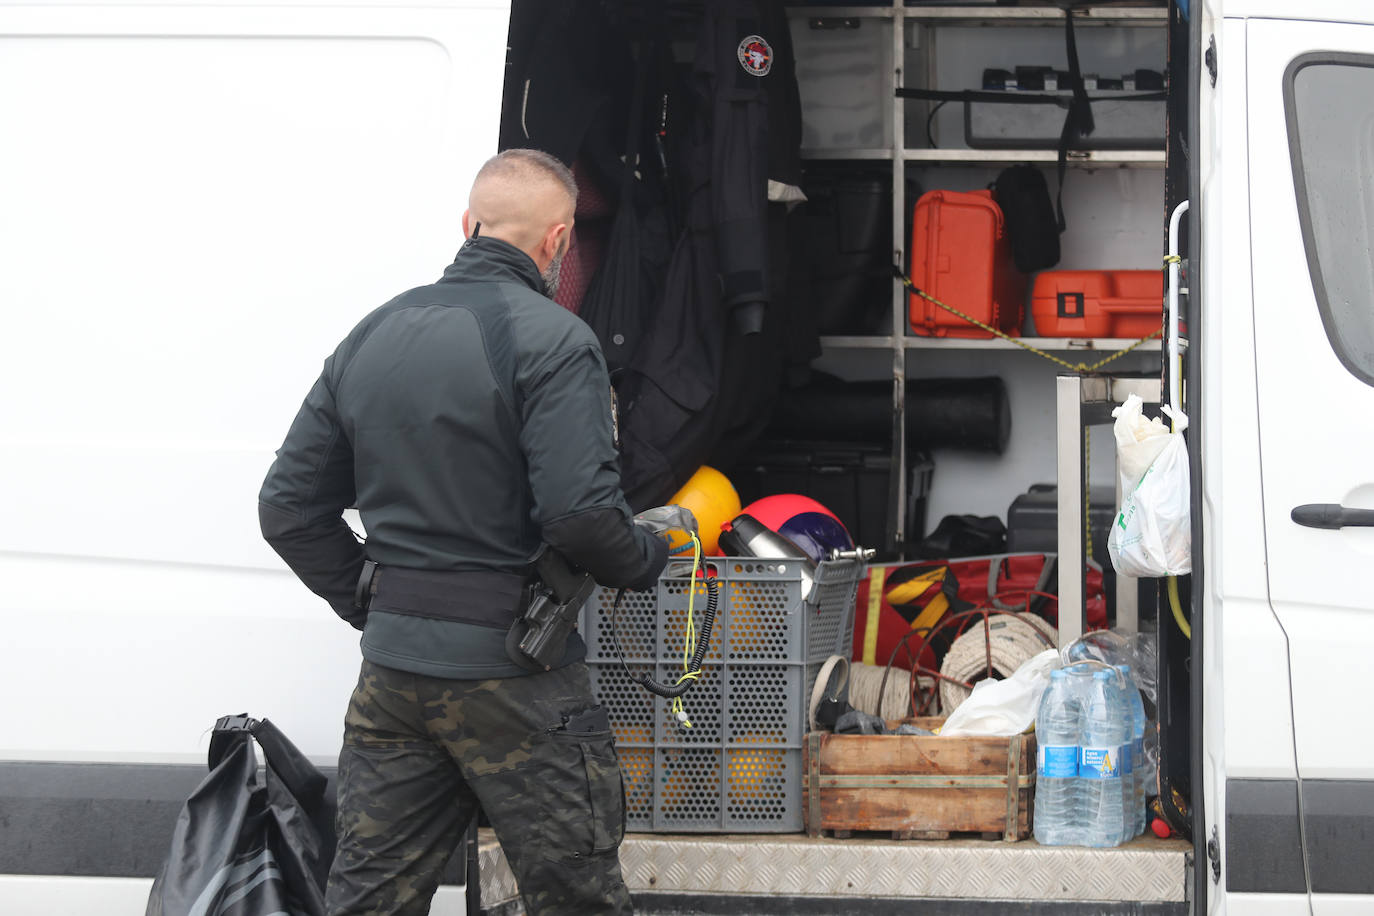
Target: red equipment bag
<point x="1098" y="303"/>
<point x="960" y="254"/>
<point x="897" y="598"/>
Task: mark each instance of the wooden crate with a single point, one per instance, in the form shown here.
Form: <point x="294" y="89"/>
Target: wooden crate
<point x="918" y="786"/>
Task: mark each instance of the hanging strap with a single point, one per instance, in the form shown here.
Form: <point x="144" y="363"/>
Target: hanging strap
<point x="1079" y="121"/>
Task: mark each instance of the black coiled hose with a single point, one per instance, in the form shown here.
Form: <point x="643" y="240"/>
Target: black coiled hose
<point x="672" y="691"/>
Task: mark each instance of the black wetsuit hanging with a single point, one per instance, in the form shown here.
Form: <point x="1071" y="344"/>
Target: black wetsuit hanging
<point x="693" y="378"/>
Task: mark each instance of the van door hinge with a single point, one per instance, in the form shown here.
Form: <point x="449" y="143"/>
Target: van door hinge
<point x="1210" y="59"/>
<point x="1214" y="854"/>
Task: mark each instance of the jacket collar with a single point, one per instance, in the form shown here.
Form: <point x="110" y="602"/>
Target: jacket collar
<point x="487" y="260"/>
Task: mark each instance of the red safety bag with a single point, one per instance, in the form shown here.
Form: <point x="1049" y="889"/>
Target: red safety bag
<point x="897" y="598"/>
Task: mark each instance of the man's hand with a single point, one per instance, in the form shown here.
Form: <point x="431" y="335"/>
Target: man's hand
<point x="674" y="524"/>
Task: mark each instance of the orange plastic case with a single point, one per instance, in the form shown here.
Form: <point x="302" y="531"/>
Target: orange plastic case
<point x="1098" y="303"/>
<point x="961" y="256"/>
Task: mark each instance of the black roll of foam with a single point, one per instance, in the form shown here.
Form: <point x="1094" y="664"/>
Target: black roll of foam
<point x="959" y="413"/>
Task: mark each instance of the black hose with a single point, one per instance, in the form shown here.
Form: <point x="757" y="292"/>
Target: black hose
<point x="672" y="691"/>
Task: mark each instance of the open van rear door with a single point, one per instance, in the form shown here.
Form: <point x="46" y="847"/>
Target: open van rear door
<point x="1311" y="153"/>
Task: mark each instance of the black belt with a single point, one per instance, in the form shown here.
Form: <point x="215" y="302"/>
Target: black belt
<point x="481" y="597"/>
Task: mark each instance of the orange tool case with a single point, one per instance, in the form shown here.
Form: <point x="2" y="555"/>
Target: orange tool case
<point x="960" y="255"/>
<point x="1098" y="303"/>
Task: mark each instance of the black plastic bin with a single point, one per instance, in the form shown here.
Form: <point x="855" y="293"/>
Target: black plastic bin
<point x="1033" y="521"/>
<point x="1033" y="526"/>
<point x="849" y="245"/>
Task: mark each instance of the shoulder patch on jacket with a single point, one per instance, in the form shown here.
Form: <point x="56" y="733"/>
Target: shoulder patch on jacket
<point x="755" y="55"/>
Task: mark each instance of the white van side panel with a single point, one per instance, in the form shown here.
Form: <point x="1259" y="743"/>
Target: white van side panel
<point x="37" y="895"/>
<point x="1247" y="726"/>
<point x="200" y="201"/>
<point x="1325" y="10"/>
<point x="1246" y="680"/>
<point x="1316" y="435"/>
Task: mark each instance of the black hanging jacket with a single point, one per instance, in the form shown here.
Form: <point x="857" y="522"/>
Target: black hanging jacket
<point x="714" y="351"/>
<point x="469" y="421"/>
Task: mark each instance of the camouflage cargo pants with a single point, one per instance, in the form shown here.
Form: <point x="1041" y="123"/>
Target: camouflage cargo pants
<point x="419" y="753"/>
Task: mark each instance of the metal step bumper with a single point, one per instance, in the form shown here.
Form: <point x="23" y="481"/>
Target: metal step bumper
<point x="704" y="873"/>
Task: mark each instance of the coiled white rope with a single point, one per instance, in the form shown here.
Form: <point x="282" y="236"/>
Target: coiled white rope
<point x="859" y="684"/>
<point x="1014" y="638"/>
<point x="865" y="681"/>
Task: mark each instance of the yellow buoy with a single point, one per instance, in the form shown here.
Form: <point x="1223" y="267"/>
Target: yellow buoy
<point x="712" y="499"/>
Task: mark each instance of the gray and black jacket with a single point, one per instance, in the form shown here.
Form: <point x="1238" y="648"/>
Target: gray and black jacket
<point x="469" y="421"/>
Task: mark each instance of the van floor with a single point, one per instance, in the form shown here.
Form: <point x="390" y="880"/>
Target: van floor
<point x="761" y="874"/>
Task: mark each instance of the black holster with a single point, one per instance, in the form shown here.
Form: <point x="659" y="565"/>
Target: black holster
<point x="539" y="637"/>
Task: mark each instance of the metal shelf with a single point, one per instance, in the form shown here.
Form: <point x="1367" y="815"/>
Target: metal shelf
<point x="1125" y="158"/>
<point x="990" y="14"/>
<point x="1030" y="15"/>
<point x="1054" y="344"/>
<point x="1058" y="344"/>
<point x="841" y="153"/>
<point x="1129" y="158"/>
<point x="857" y="343"/>
<point x="843" y="12"/>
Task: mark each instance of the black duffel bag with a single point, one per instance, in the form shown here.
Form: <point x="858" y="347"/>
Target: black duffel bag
<point x="244" y="846"/>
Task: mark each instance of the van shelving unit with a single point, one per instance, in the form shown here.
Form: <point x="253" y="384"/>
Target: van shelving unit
<point x="928" y="19"/>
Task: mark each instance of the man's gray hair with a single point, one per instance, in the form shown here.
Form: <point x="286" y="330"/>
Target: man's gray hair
<point x="518" y="163"/>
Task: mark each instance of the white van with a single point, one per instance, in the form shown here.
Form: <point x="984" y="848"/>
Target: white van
<point x="198" y="199"/>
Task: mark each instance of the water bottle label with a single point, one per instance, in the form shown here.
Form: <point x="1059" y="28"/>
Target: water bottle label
<point x="1100" y="762"/>
<point x="1058" y="761"/>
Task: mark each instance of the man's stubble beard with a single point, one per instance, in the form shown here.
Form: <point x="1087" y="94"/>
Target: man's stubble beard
<point x="550" y="274"/>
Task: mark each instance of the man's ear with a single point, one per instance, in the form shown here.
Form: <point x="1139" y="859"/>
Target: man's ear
<point x="553" y="239"/>
<point x="467" y="224"/>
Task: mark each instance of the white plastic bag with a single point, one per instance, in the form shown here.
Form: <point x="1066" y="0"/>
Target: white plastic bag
<point x="1005" y="707"/>
<point x="1152" y="533"/>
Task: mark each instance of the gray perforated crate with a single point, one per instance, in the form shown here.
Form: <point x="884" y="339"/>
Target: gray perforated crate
<point x="738" y="768"/>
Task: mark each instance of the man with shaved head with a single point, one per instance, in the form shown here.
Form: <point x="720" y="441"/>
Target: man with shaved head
<point x="471" y="423"/>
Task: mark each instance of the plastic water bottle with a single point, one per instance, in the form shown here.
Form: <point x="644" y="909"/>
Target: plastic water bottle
<point x="1106" y="737"/>
<point x="1135" y="823"/>
<point x="1058" y="725"/>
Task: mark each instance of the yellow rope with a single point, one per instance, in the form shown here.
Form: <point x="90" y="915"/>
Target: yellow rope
<point x="1174" y="604"/>
<point x="1072" y="367"/>
<point x="690" y="642"/>
<point x="1087" y="496"/>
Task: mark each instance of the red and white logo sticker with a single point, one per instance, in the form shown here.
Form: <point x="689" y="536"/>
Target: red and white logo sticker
<point x="755" y="55"/>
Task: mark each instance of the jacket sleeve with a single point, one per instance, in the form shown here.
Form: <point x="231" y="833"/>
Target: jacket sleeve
<point x="569" y="449"/>
<point x="300" y="507"/>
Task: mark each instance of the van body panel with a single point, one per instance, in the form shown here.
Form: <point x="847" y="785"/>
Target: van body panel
<point x="1340" y="904"/>
<point x="1323" y="11"/>
<point x="1286" y="425"/>
<point x="1260" y="904"/>
<point x="1316" y="437"/>
<point x="1246" y="703"/>
<point x="184" y="240"/>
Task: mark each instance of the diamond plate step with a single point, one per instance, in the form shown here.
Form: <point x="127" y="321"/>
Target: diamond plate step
<point x="1146" y="870"/>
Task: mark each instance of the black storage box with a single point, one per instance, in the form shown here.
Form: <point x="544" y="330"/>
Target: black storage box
<point x="1033" y="521"/>
<point x="849" y="479"/>
<point x="849" y="245"/>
